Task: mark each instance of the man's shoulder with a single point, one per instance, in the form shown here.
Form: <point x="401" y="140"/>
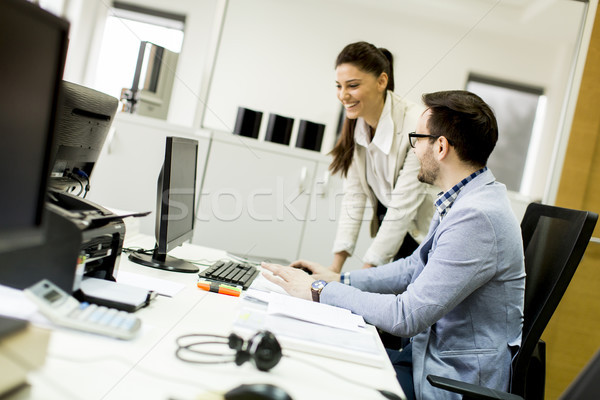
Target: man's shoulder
<point x="488" y="201"/>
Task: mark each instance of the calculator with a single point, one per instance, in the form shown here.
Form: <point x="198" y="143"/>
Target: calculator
<point x="64" y="310"/>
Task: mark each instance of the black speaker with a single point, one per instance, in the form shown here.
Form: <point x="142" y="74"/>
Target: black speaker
<point x="310" y="135"/>
<point x="279" y="129"/>
<point x="263" y="350"/>
<point x="247" y="122"/>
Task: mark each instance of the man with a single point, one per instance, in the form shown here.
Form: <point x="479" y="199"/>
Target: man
<point x="459" y="296"/>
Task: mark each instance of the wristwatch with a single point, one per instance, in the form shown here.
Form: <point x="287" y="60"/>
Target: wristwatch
<point x="316" y="288"/>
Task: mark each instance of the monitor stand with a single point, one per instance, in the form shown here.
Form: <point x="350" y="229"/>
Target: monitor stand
<point x="163" y="261"/>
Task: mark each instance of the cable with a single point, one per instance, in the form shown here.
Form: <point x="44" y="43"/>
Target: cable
<point x="386" y="393"/>
<point x="231" y="358"/>
<point x="235" y="342"/>
<point x="137" y="250"/>
<point x="232" y="257"/>
<point x="221" y="358"/>
<point x="87" y="180"/>
<point x="75" y="178"/>
<point x="201" y="264"/>
<point x="139" y="368"/>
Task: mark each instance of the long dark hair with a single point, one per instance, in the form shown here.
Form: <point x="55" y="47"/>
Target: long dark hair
<point x="370" y="59"/>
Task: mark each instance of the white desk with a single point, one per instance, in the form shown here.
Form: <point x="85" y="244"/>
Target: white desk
<point x="86" y="366"/>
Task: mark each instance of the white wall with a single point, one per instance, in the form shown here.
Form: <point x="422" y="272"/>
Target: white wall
<point x="277" y="55"/>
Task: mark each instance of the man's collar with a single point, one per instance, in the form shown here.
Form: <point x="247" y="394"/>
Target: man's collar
<point x="446" y="200"/>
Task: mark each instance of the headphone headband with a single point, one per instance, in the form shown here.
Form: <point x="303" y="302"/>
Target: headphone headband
<point x="262" y="349"/>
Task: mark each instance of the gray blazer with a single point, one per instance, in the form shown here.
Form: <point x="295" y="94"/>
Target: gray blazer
<point x="459" y="296"/>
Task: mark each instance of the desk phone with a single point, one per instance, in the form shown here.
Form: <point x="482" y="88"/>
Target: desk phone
<point x="65" y="310"/>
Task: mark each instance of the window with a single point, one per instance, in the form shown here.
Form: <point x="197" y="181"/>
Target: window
<point x="126" y="27"/>
<point x="519" y="110"/>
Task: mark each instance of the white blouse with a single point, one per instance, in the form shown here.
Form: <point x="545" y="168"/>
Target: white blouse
<point x="378" y="152"/>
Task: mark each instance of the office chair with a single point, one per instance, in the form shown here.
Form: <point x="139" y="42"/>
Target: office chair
<point x="554" y="240"/>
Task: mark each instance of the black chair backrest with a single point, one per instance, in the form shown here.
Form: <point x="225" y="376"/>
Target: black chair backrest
<point x="554" y="240"/>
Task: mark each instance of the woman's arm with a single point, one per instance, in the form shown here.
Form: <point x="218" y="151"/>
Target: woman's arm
<point x="338" y="261"/>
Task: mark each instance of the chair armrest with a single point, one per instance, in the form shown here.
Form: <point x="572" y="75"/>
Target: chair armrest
<point x="470" y="391"/>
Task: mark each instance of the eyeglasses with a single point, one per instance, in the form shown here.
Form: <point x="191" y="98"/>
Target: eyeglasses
<point x="413" y="136"/>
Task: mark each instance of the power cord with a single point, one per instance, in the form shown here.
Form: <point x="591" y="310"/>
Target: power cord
<point x="385" y="393"/>
<point x="137" y="250"/>
<point x="186" y="348"/>
<point x="129" y="363"/>
<point x="75" y="178"/>
<point x="87" y="180"/>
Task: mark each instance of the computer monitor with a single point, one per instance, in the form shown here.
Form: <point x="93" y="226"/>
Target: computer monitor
<point x="84" y="119"/>
<point x="175" y="201"/>
<point x="33" y="48"/>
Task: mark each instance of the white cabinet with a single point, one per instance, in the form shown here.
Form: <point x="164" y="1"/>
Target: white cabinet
<point x="254" y="197"/>
<point x="125" y="175"/>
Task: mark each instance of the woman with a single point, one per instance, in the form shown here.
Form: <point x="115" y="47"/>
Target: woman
<point x="374" y="155"/>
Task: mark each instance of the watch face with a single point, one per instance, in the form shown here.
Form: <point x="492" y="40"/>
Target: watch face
<point x="318" y="285"/>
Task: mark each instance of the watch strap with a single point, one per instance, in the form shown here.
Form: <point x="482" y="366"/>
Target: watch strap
<point x="316" y="288"/>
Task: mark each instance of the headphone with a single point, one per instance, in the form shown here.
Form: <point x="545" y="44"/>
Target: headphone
<point x="262" y="349"/>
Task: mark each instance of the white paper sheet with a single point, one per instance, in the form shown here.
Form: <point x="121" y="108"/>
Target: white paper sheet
<point x="311" y="311"/>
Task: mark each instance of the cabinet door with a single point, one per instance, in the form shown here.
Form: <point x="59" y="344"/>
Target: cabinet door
<point x="253" y="201"/>
<point x="321" y="222"/>
<point x="126" y="173"/>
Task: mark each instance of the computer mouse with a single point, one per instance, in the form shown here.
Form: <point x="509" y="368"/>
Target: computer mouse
<point x="308" y="271"/>
<point x="257" y="391"/>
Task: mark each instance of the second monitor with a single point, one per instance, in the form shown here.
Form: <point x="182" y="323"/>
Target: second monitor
<point x="175" y="201"/>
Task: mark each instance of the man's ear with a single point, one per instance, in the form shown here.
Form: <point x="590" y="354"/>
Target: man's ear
<point x="441" y="148"/>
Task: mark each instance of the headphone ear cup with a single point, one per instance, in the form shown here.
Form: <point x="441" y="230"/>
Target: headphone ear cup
<point x="235" y="342"/>
<point x="267" y="352"/>
<point x="241" y="356"/>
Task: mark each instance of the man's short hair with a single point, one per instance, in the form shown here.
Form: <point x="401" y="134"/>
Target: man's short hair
<point x="466" y="121"/>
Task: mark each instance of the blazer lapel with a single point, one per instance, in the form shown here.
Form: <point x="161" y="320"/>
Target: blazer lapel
<point x="398" y="111"/>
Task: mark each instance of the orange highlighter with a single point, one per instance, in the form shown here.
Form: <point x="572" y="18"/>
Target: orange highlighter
<point x="218" y="287"/>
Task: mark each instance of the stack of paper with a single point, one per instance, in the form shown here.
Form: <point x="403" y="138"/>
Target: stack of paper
<point x="311" y="327"/>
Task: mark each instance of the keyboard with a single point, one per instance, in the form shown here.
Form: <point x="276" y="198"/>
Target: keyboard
<point x="231" y="272"/>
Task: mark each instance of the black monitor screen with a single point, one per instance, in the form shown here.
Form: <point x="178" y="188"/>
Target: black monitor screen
<point x="84" y="119"/>
<point x="175" y="201"/>
<point x="33" y="45"/>
<point x="176" y="193"/>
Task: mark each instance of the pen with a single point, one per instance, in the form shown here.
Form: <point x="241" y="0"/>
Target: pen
<point x="217" y="287"/>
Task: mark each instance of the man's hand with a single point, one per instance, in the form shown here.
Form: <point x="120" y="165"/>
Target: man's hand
<point x="294" y="281"/>
<point x="317" y="271"/>
<point x="367" y="265"/>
